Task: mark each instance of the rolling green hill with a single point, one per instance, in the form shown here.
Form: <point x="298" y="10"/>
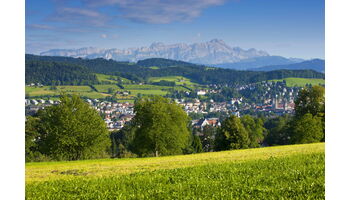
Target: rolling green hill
<point x="282" y="172"/>
<point x="300" y="82"/>
<point x="196" y="73"/>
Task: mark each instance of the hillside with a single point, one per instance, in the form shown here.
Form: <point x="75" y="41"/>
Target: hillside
<point x="256" y="62"/>
<point x="288" y="172"/>
<point x="301" y="82"/>
<point x="315" y="64"/>
<point x="55" y="73"/>
<point x="196" y="73"/>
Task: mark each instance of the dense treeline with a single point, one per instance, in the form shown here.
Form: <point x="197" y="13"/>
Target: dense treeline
<point x="56" y="73"/>
<point x="197" y="73"/>
<point x="162" y="62"/>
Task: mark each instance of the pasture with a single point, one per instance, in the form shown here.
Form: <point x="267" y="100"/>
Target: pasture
<point x="300" y="82"/>
<point x="111" y="79"/>
<point x="281" y="172"/>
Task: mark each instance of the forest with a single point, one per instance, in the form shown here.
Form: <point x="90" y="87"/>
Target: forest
<point x="66" y="70"/>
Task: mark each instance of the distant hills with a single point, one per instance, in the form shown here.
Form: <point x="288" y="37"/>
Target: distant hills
<point x="77" y="71"/>
<point x="256" y="62"/>
<point x="315" y="64"/>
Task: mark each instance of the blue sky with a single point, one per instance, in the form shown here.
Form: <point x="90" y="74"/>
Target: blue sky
<point x="290" y="28"/>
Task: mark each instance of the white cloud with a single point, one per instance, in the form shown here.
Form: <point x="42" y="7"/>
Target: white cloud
<point x="157" y="11"/>
<point x="103" y="35"/>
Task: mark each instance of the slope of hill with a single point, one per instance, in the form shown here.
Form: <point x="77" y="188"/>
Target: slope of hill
<point x="282" y="172"/>
<point x="56" y="73"/>
<point x="258" y="62"/>
<point x="301" y="82"/>
<point x="196" y="73"/>
<point x="162" y="62"/>
<point x="315" y="64"/>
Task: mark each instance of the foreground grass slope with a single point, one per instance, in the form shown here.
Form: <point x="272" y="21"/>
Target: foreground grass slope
<point x="284" y="172"/>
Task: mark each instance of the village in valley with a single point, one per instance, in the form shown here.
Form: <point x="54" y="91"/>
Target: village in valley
<point x="269" y="99"/>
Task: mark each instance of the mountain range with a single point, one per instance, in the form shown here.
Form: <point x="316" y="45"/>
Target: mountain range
<point x="213" y="53"/>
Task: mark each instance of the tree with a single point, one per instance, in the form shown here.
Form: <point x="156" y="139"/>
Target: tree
<point x="232" y="135"/>
<point x="110" y="90"/>
<point x="122" y="141"/>
<point x="307" y="129"/>
<point x="161" y="127"/>
<point x="196" y="144"/>
<point x="310" y="100"/>
<point x="207" y="138"/>
<point x="278" y="130"/>
<point x="71" y="130"/>
<point x="255" y="129"/>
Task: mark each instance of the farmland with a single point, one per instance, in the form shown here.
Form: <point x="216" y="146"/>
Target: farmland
<point x="179" y="80"/>
<point x="111" y="79"/>
<point x="300" y="82"/>
<point x="84" y="91"/>
<point x="283" y="172"/>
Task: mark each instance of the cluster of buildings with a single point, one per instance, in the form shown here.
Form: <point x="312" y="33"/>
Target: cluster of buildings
<point x="271" y="98"/>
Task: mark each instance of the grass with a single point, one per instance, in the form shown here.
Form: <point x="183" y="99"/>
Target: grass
<point x="84" y="91"/>
<point x="104" y="88"/>
<point x="300" y="82"/>
<point x="283" y="172"/>
<point x="179" y="80"/>
<point x="111" y="79"/>
<point x="145" y="87"/>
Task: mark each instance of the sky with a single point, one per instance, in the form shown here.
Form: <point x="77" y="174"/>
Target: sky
<point x="289" y="28"/>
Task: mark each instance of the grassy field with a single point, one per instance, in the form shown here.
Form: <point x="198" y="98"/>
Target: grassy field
<point x="84" y="91"/>
<point x="300" y="82"/>
<point x="284" y="172"/>
<point x="104" y="88"/>
<point x="179" y="80"/>
<point x="111" y="79"/>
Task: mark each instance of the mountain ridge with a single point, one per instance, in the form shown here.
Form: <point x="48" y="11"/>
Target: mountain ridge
<point x="214" y="51"/>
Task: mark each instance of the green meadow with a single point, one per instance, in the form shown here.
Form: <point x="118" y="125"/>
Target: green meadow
<point x="281" y="172"/>
<point x="300" y="82"/>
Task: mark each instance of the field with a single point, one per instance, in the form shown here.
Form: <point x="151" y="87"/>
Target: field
<point x="111" y="79"/>
<point x="179" y="80"/>
<point x="283" y="172"/>
<point x="300" y="82"/>
<point x="84" y="91"/>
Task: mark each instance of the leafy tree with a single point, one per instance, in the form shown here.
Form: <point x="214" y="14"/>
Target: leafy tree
<point x="161" y="127"/>
<point x="255" y="129"/>
<point x="207" y="138"/>
<point x="110" y="90"/>
<point x="232" y="135"/>
<point x="310" y="100"/>
<point x="307" y="129"/>
<point x="196" y="144"/>
<point x="71" y="130"/>
<point x="278" y="130"/>
<point x="122" y="141"/>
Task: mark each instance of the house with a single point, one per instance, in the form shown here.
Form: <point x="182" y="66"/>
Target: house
<point x="35" y="102"/>
<point x="201" y="123"/>
<point x="201" y="92"/>
<point x="126" y="117"/>
<point x="41" y="101"/>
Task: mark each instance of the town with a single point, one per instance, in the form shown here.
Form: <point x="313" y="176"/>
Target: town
<point x="265" y="98"/>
